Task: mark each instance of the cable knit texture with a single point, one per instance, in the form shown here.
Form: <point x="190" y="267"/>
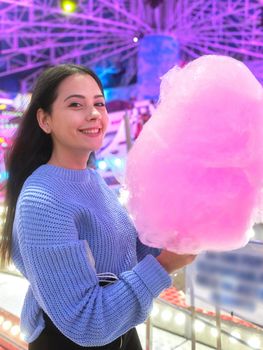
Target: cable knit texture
<point x="69" y="227"/>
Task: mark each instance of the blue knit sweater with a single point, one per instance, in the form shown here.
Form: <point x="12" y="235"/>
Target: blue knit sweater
<point x="69" y="229"/>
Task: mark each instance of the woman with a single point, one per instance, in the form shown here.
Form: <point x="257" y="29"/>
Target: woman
<point x="91" y="280"/>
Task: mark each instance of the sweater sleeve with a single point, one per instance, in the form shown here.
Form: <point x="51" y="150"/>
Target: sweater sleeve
<point x="64" y="281"/>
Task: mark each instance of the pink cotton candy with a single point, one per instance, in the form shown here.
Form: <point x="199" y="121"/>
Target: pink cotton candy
<point x="196" y="171"/>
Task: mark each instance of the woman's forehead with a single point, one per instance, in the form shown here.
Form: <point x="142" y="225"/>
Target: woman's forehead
<point x="83" y="84"/>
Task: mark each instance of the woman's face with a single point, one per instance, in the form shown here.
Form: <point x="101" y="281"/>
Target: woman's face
<point x="79" y="118"/>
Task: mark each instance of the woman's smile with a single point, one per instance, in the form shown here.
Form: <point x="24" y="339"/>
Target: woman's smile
<point x="93" y="132"/>
<point x="79" y="109"/>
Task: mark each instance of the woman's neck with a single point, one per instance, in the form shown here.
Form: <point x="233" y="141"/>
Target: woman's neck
<point x="69" y="162"/>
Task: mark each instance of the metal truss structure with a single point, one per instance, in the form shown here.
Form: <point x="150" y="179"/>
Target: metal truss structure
<point x="106" y="33"/>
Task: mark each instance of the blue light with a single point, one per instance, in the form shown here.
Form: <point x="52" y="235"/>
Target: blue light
<point x="102" y="165"/>
<point x="3" y="175"/>
<point x="117" y="162"/>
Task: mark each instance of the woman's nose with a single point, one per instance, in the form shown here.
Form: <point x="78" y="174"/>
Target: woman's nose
<point x="93" y="113"/>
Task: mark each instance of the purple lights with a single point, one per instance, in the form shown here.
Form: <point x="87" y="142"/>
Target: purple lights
<point x="37" y="33"/>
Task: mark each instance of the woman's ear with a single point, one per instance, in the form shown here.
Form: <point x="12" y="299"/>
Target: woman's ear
<point x="43" y="120"/>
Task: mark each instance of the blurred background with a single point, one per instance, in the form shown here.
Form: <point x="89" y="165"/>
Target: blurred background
<point x="216" y="303"/>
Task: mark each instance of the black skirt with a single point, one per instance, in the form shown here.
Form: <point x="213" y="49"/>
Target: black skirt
<point x="52" y="339"/>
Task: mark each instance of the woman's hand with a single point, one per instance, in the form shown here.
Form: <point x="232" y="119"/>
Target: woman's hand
<point x="172" y="261"/>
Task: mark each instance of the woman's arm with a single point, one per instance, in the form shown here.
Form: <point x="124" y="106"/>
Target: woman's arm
<point x="65" y="284"/>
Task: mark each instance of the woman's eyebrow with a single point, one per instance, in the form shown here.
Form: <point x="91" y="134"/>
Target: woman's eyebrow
<point x="81" y="96"/>
<point x="76" y="95"/>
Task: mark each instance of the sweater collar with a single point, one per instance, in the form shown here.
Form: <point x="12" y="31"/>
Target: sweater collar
<point x="74" y="175"/>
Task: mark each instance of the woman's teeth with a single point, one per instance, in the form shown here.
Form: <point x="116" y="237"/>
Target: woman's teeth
<point x="90" y="131"/>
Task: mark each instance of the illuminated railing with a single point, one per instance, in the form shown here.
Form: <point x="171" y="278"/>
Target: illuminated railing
<point x="202" y="327"/>
<point x="10" y="335"/>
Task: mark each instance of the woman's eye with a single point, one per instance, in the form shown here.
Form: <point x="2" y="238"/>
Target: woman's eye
<point x="100" y="104"/>
<point x="75" y="104"/>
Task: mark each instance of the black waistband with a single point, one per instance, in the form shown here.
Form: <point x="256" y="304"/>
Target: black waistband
<point x="53" y="333"/>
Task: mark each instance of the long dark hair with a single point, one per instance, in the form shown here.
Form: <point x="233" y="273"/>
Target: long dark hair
<point x="32" y="147"/>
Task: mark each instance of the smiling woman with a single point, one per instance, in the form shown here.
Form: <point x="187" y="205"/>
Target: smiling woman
<point x="91" y="281"/>
<point x="77" y="122"/>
